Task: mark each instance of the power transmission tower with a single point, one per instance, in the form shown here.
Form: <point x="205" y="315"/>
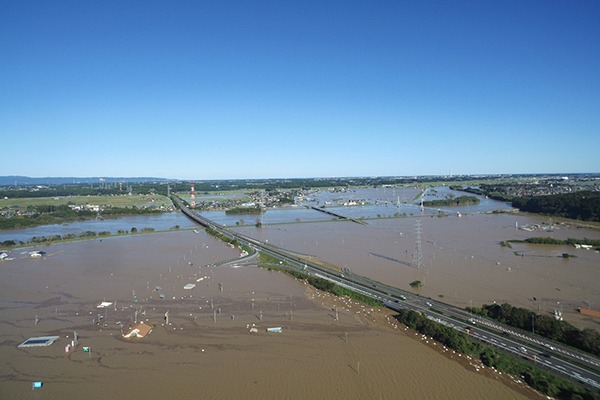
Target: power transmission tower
<point x="418" y="255"/>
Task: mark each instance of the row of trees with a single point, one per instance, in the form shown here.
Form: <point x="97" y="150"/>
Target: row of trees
<point x="540" y="380"/>
<point x="72" y="236"/>
<point x="47" y="214"/>
<point x="547" y="326"/>
<point x="569" y="241"/>
<point x="243" y="210"/>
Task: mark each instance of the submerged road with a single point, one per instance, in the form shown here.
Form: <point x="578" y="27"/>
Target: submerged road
<point x="552" y="356"/>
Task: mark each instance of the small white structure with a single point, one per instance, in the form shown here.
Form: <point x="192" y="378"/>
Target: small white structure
<point x="189" y="286"/>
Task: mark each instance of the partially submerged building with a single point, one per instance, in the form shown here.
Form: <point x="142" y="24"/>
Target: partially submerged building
<point x="39" y="341"/>
<point x="138" y="331"/>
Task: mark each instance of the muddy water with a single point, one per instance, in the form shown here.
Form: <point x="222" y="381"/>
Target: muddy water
<point x="113" y="225"/>
<point x="206" y="350"/>
<point x="464" y="263"/>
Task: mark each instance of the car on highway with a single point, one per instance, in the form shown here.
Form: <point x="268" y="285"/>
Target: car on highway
<point x="428" y="304"/>
<point x="522" y="349"/>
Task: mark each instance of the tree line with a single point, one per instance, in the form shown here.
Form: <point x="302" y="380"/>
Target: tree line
<point x="72" y="236"/>
<point x="568" y="241"/>
<point x="547" y="326"/>
<point x="542" y="381"/>
<point x="243" y="210"/>
<point x="584" y="205"/>
<point x="47" y="214"/>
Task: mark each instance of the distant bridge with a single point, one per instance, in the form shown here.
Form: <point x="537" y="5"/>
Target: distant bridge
<point x="337" y="214"/>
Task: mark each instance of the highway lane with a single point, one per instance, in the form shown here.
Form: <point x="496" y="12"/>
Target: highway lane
<point x="567" y="361"/>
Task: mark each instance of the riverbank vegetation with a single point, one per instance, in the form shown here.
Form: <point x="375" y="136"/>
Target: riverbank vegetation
<point x="221" y="237"/>
<point x="552" y="241"/>
<point x="547" y="326"/>
<point x="16" y="213"/>
<point x="583" y="205"/>
<point x="454" y="201"/>
<point x="71" y="237"/>
<point x="540" y="380"/>
<point x="140" y="201"/>
<point x="51" y="215"/>
<point x="272" y="263"/>
<point x="243" y="210"/>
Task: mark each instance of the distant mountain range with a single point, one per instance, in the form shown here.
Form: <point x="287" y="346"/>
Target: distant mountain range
<point x="25" y="180"/>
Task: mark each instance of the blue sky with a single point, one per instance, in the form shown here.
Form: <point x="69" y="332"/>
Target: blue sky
<point x="285" y="89"/>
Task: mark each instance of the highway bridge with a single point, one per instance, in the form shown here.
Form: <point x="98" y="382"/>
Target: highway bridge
<point x="575" y="364"/>
<point x="337" y="214"/>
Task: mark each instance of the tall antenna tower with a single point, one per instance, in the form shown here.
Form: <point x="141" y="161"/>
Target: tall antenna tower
<point x="418" y="255"/>
<point x="193" y="201"/>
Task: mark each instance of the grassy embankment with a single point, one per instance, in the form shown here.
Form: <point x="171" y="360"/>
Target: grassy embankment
<point x="272" y="263"/>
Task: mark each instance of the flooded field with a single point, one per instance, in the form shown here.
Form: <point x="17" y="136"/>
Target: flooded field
<point x="206" y="347"/>
<point x="206" y="350"/>
<point x="463" y="261"/>
<point x="159" y="222"/>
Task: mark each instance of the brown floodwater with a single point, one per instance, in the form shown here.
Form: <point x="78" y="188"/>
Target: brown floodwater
<point x="206" y="349"/>
<point x="463" y="261"/>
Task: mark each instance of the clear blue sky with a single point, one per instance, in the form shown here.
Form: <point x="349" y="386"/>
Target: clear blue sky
<point x="256" y="89"/>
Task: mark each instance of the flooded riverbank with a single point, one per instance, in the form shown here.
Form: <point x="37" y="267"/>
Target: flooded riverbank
<point x="157" y="222"/>
<point x="206" y="349"/>
<point x="464" y="262"/>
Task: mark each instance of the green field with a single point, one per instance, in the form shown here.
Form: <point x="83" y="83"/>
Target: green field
<point x="114" y="201"/>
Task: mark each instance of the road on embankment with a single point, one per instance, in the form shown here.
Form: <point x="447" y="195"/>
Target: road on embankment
<point x="550" y="355"/>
